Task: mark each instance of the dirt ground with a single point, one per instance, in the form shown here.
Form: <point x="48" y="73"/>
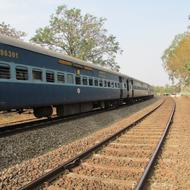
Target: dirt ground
<point x="10" y="117"/>
<point x="172" y="170"/>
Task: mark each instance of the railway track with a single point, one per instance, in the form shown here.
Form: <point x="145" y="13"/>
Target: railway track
<point x="121" y="161"/>
<point x="21" y="126"/>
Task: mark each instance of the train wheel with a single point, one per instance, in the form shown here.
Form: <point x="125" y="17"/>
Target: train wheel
<point x="43" y="111"/>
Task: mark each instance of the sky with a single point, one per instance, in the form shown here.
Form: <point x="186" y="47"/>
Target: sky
<point x="144" y="28"/>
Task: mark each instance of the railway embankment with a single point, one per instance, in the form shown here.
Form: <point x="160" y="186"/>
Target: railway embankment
<point x="16" y="148"/>
<point x="16" y="176"/>
<point x="120" y="164"/>
<point x="172" y="170"/>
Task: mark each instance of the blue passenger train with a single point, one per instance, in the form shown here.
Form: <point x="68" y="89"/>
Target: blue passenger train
<point x="40" y="79"/>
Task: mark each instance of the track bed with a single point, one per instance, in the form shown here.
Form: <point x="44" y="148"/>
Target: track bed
<point x="121" y="163"/>
<point x="172" y="171"/>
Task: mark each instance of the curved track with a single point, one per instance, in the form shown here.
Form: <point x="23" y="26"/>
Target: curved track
<point x="123" y="160"/>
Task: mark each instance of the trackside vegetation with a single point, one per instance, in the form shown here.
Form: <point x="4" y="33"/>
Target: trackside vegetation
<point x="176" y="59"/>
<point x="75" y="34"/>
<point x="79" y="35"/>
<point x="7" y="30"/>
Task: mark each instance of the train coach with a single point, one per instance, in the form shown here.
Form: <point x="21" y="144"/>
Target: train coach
<point x="40" y="79"/>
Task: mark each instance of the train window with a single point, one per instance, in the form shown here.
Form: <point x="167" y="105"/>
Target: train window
<point x="77" y="80"/>
<point x="90" y="80"/>
<point x="100" y="83"/>
<point x="112" y="84"/>
<point x="21" y="73"/>
<point x="125" y="85"/>
<point x="50" y="76"/>
<point x="105" y="83"/>
<point x="85" y="81"/>
<point x="115" y="85"/>
<point x="96" y="82"/>
<point x="60" y="77"/>
<point x="70" y="79"/>
<point x="37" y="75"/>
<point x="109" y="84"/>
<point x="4" y="71"/>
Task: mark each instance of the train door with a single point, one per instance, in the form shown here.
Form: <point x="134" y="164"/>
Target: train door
<point x="121" y="87"/>
<point x="128" y="88"/>
<point x="148" y="90"/>
<point x="132" y="88"/>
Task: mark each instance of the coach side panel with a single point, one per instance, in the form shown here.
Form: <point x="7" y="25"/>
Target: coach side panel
<point x="19" y="89"/>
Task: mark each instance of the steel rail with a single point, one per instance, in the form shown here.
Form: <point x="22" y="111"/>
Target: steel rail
<point x="150" y="165"/>
<point x="19" y="127"/>
<point x="75" y="161"/>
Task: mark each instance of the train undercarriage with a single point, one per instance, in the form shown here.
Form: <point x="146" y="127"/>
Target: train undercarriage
<point x="71" y="109"/>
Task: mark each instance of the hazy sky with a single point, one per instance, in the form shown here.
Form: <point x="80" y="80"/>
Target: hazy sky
<point x="144" y="28"/>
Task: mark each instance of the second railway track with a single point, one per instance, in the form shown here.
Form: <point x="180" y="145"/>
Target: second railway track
<point x="122" y="161"/>
<point x="21" y="126"/>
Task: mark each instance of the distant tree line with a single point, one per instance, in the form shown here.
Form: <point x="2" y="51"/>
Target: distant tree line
<point x="74" y="34"/>
<point x="167" y="89"/>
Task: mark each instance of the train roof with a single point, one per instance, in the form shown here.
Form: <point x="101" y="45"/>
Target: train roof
<point x="35" y="48"/>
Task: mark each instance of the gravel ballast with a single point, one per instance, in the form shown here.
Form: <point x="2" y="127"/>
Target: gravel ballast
<point x="102" y="174"/>
<point x="29" y="144"/>
<point x="16" y="176"/>
<point x="172" y="170"/>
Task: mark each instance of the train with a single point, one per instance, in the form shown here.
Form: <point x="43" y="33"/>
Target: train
<point x="32" y="77"/>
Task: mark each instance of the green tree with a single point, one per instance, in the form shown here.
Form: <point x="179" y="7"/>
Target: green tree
<point x="159" y="90"/>
<point x="7" y="30"/>
<point x="80" y="36"/>
<point x="176" y="59"/>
